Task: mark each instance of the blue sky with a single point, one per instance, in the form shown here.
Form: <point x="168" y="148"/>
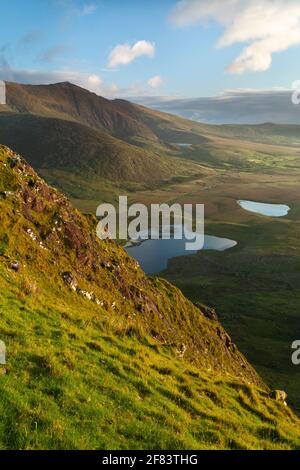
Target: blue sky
<point x="135" y="47"/>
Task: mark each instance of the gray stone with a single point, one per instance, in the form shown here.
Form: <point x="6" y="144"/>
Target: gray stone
<point x="15" y="266"/>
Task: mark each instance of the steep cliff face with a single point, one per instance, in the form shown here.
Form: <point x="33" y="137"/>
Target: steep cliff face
<point x="87" y="332"/>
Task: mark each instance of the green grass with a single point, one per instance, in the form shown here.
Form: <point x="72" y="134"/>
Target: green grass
<point x="255" y="287"/>
<point x="75" y="383"/>
<point x="112" y="376"/>
<point x="84" y="376"/>
<point x="268" y="133"/>
<point x="239" y="158"/>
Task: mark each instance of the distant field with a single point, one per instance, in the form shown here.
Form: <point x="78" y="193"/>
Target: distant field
<point x="255" y="286"/>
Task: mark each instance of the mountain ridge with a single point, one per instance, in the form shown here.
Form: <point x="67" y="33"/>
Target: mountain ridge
<point x="65" y="100"/>
<point x="107" y="156"/>
<point x="63" y="125"/>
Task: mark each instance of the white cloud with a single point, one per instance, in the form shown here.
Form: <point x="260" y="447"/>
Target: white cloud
<point x="31" y="38"/>
<point x="155" y="82"/>
<point x="87" y="9"/>
<point x="73" y="8"/>
<point x="123" y="54"/>
<point x="268" y="26"/>
<point x="95" y="80"/>
<point x="91" y="82"/>
<point x="37" y="77"/>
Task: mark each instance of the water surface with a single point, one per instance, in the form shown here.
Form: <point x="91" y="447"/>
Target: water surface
<point x="153" y="255"/>
<point x="270" y="210"/>
<point x="181" y="144"/>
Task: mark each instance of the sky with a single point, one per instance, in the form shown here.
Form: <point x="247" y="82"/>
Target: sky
<point x="168" y="48"/>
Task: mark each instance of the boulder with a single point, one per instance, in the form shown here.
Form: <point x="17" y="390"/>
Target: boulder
<point x="14" y="161"/>
<point x="210" y="312"/>
<point x="70" y="280"/>
<point x="15" y="265"/>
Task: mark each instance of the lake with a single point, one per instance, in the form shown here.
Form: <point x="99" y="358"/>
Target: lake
<point x="153" y="255"/>
<point x="180" y="144"/>
<point x="270" y="210"/>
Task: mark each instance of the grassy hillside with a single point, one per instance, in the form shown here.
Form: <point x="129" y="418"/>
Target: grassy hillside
<point x="172" y="129"/>
<point x="67" y="101"/>
<point x="269" y="133"/>
<point x="99" y="355"/>
<point x="255" y="286"/>
<point x="94" y="149"/>
<point x="119" y="118"/>
<point x="81" y="150"/>
<point x="81" y="160"/>
<point x="132" y="122"/>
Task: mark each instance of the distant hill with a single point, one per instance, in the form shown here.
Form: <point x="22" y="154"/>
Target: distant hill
<point x="232" y="107"/>
<point x="100" y="356"/>
<point x="52" y="143"/>
<point x="119" y="118"/>
<point x="139" y="124"/>
<point x="87" y="145"/>
<point x="91" y="147"/>
<point x="68" y="101"/>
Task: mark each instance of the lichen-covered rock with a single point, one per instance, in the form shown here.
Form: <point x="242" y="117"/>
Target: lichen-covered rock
<point x="14" y="265"/>
<point x="210" y="313"/>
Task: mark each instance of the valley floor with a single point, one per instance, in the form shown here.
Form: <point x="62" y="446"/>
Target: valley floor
<point x="254" y="286"/>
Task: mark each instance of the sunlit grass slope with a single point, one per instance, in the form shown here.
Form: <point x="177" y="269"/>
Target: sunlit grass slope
<point x="102" y="357"/>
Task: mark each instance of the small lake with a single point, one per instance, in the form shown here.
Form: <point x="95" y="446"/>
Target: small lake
<point x="153" y="255"/>
<point x="270" y="210"/>
<point x="181" y="144"/>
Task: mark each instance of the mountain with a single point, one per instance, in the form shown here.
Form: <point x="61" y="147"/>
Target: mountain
<point x="147" y="127"/>
<point x="86" y="145"/>
<point x="232" y="107"/>
<point x="119" y="118"/>
<point x="79" y="149"/>
<point x="93" y="149"/>
<point x="99" y="356"/>
<point x="68" y="101"/>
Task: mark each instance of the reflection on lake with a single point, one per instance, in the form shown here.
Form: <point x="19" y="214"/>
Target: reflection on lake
<point x="153" y="255"/>
<point x="270" y="210"/>
<point x="181" y="144"/>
